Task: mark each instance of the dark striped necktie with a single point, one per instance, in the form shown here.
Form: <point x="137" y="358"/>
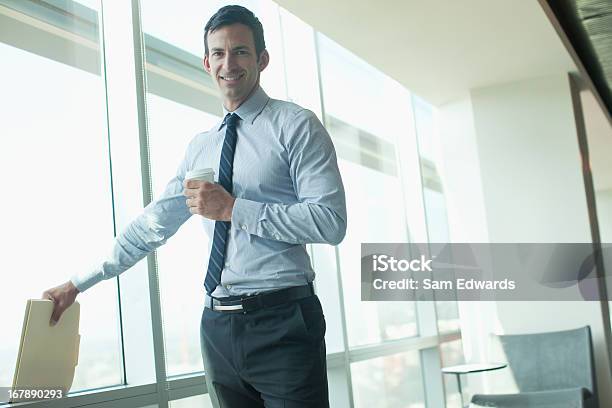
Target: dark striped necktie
<point x="217" y="253"/>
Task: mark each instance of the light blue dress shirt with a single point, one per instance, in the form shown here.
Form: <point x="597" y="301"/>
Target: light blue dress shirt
<point x="288" y="193"/>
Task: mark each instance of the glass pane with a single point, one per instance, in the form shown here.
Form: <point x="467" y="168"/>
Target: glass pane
<point x="430" y="158"/>
<point x="181" y="260"/>
<point x="173" y="122"/>
<point x="326" y="283"/>
<point x="339" y="387"/>
<point x="371" y="322"/>
<point x="434" y="200"/>
<point x="452" y="354"/>
<point x="366" y="144"/>
<point x="55" y="147"/>
<point x="448" y="316"/>
<point x="424" y="122"/>
<point x="301" y="62"/>
<point x="435" y="208"/>
<point x="388" y="382"/>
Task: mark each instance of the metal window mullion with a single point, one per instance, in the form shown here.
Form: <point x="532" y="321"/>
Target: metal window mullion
<point x="390" y="348"/>
<point x="347" y="357"/>
<point x="427" y="319"/>
<point x="147" y="194"/>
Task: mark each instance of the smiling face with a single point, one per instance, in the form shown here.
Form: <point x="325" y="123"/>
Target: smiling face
<point x="233" y="64"/>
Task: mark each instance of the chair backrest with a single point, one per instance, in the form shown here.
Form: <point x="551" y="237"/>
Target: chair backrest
<point x="548" y="361"/>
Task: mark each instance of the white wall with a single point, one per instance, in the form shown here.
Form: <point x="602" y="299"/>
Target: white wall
<point x="520" y="157"/>
<point x="460" y="171"/>
<point x="530" y="163"/>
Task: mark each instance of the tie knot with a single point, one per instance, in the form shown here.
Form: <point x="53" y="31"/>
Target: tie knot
<point x="231" y="119"/>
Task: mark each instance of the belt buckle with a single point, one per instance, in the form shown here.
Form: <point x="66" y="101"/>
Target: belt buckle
<point x="251" y="303"/>
<point x="217" y="305"/>
<point x="226" y="308"/>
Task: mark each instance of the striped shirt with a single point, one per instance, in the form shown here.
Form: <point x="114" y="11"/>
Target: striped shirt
<point x="288" y="193"/>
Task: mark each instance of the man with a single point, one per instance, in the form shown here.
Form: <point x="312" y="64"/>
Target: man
<point x="279" y="188"/>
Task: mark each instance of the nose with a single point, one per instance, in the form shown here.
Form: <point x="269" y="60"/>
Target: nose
<point x="229" y="61"/>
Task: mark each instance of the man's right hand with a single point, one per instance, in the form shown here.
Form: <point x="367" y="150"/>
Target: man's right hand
<point x="62" y="296"/>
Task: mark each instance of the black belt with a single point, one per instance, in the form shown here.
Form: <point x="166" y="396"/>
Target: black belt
<point x="267" y="299"/>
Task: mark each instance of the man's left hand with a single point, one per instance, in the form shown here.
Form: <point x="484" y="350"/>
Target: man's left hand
<point x="210" y="200"/>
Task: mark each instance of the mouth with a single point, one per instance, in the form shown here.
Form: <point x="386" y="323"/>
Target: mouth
<point x="233" y="78"/>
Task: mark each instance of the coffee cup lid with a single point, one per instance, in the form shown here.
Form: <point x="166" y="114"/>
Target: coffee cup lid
<point x="197" y="173"/>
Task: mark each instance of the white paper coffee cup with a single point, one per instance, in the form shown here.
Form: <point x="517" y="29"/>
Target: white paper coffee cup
<point x="206" y="174"/>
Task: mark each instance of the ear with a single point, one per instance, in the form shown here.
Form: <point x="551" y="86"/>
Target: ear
<point x="264" y="60"/>
<point x="206" y="64"/>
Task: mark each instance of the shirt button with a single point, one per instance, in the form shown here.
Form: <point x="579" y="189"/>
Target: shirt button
<point x="227" y="265"/>
<point x="229" y="286"/>
<point x="277" y="236"/>
<point x="244" y="227"/>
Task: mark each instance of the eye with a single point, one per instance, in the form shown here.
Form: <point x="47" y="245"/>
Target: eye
<point x="216" y="53"/>
<point x="241" y="52"/>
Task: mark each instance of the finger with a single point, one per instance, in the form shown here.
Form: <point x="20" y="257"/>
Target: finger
<point x="193" y="183"/>
<point x="47" y="296"/>
<point x="214" y="186"/>
<point x="57" y="313"/>
<point x="191" y="192"/>
<point x="208" y="184"/>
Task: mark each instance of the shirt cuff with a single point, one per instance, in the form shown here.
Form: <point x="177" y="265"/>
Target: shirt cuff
<point x="86" y="280"/>
<point x="245" y="215"/>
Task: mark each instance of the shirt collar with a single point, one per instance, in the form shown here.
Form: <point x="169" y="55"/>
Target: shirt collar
<point x="251" y="108"/>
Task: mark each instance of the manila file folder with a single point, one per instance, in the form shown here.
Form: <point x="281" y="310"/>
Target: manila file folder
<point x="48" y="355"/>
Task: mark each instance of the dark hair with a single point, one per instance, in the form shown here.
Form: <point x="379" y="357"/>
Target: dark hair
<point x="229" y="15"/>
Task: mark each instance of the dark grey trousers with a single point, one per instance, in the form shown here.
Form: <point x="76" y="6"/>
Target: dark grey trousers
<point x="272" y="357"/>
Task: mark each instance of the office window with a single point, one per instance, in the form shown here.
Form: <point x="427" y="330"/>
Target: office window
<point x="54" y="163"/>
<point x="430" y="159"/>
<point x="179" y="94"/>
<point x="364" y="134"/>
<point x="434" y="199"/>
<point x="300" y="60"/>
<point x="181" y="261"/>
